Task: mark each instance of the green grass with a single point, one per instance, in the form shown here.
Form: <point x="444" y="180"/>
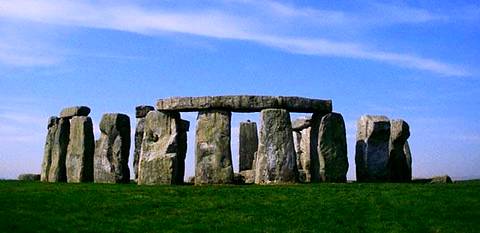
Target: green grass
<point x="42" y="207"/>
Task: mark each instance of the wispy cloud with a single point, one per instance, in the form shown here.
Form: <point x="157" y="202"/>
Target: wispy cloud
<point x="216" y="23"/>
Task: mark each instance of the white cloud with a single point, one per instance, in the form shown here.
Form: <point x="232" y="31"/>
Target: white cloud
<point x="215" y="24"/>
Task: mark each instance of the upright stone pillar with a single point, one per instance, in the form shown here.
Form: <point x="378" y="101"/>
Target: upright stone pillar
<point x="140" y="114"/>
<point x="332" y="148"/>
<point x="213" y="156"/>
<point x="163" y="149"/>
<point x="276" y="158"/>
<point x="372" y="148"/>
<point x="57" y="170"/>
<point x="248" y="144"/>
<point x="112" y="150"/>
<point x="400" y="159"/>
<point x="302" y="140"/>
<point x="79" y="162"/>
<point x="182" y="149"/>
<point x="49" y="145"/>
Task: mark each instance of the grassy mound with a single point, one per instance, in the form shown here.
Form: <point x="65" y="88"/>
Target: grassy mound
<point x="42" y="207"/>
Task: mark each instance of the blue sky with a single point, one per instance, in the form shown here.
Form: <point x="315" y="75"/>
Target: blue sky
<point x="418" y="61"/>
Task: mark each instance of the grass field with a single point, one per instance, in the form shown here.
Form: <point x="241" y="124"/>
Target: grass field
<point x="41" y="207"/>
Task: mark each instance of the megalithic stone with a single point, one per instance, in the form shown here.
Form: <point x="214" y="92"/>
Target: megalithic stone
<point x="112" y="150"/>
<point x="276" y="158"/>
<point x="303" y="140"/>
<point x="313" y="133"/>
<point x="75" y="111"/>
<point x="79" y="161"/>
<point x="399" y="161"/>
<point x="248" y="144"/>
<point x="213" y="155"/>
<point x="140" y="113"/>
<point x="57" y="171"/>
<point x="182" y="149"/>
<point x="161" y="157"/>
<point x="372" y="148"/>
<point x="332" y="148"/>
<point x="49" y="145"/>
<point x="408" y="156"/>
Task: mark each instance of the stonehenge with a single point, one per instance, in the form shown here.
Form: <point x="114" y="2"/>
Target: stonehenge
<point x="276" y="158"/>
<point x="309" y="149"/>
<point x="248" y="143"/>
<point x="163" y="149"/>
<point x="382" y="151"/>
<point x="140" y="114"/>
<point x="213" y="156"/>
<point x="81" y="147"/>
<point x="112" y="150"/>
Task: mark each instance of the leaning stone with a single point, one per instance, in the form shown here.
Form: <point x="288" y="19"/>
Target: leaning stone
<point x="372" y="148"/>
<point x="248" y="143"/>
<point x="142" y="110"/>
<point x="75" y="111"/>
<point x="213" y="155"/>
<point x="112" y="150"/>
<point x="49" y="145"/>
<point x="57" y="170"/>
<point x="441" y="180"/>
<point x="399" y="162"/>
<point x="162" y="154"/>
<point x="79" y="162"/>
<point x="332" y="148"/>
<point x="244" y="103"/>
<point x="29" y="177"/>
<point x="248" y="176"/>
<point x="276" y="159"/>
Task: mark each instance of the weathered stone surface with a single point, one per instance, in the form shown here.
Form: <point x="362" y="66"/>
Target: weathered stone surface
<point x="310" y="137"/>
<point x="248" y="176"/>
<point x="213" y="155"/>
<point x="399" y="162"/>
<point x="244" y="103"/>
<point x="49" y="144"/>
<point x="75" y="111"/>
<point x="142" y="110"/>
<point x="248" y="144"/>
<point x="332" y="148"/>
<point x="138" y="144"/>
<point x="79" y="161"/>
<point x="441" y="180"/>
<point x="302" y="150"/>
<point x="301" y="123"/>
<point x="238" y="178"/>
<point x="162" y="152"/>
<point x="191" y="180"/>
<point x="57" y="170"/>
<point x="372" y="148"/>
<point x="29" y="177"/>
<point x="112" y="150"/>
<point x="276" y="158"/>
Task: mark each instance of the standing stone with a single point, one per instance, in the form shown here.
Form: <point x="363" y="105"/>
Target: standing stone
<point x="248" y="144"/>
<point x="140" y="114"/>
<point x="302" y="149"/>
<point x="162" y="152"/>
<point x="49" y="144"/>
<point x="79" y="162"/>
<point x="112" y="150"/>
<point x="372" y="148"/>
<point x="213" y="156"/>
<point x="332" y="148"/>
<point x="312" y="139"/>
<point x="57" y="170"/>
<point x="276" y="158"/>
<point x="75" y="111"/>
<point x="182" y="149"/>
<point x="399" y="162"/>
